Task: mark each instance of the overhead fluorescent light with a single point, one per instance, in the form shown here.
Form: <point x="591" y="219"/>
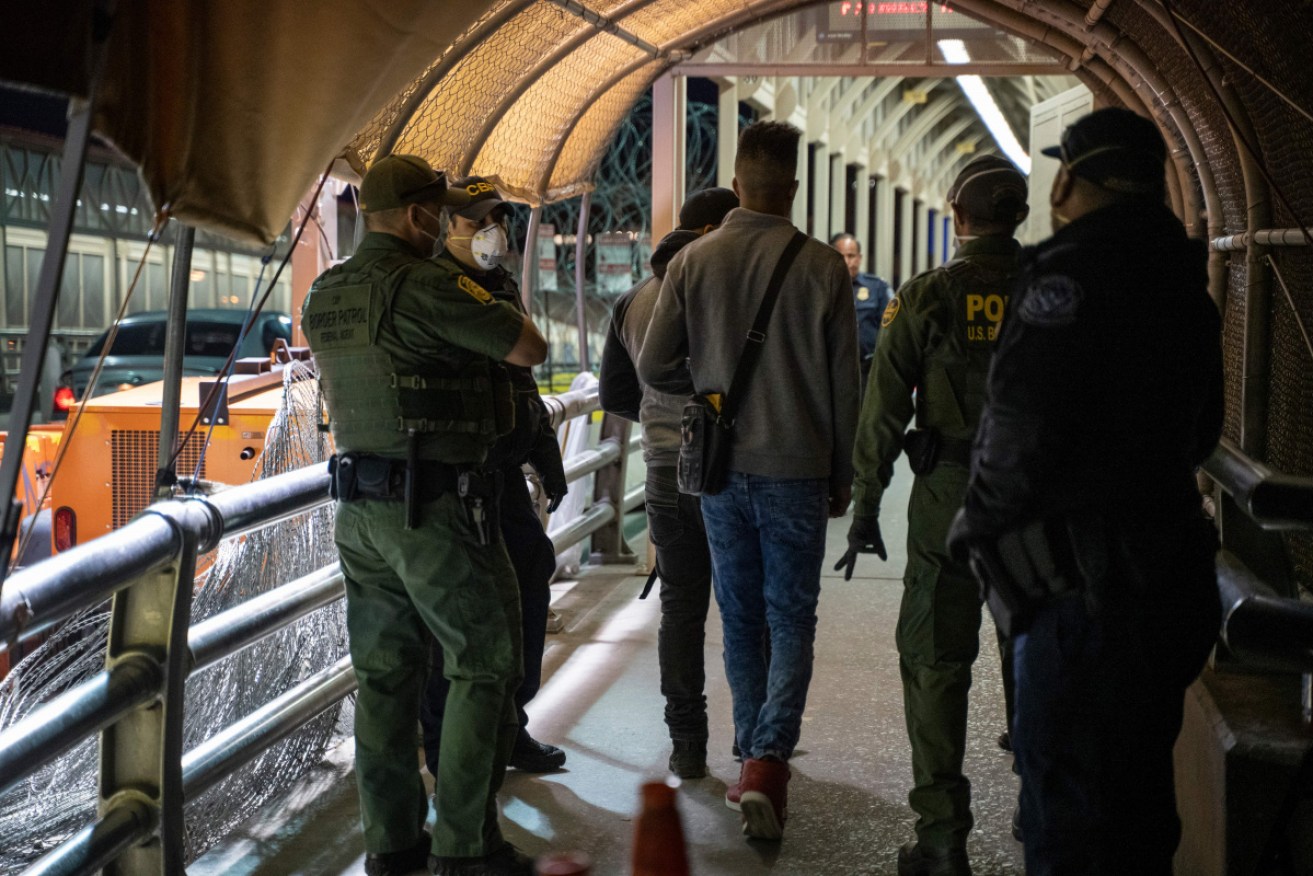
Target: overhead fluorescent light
<point x="955" y="52"/>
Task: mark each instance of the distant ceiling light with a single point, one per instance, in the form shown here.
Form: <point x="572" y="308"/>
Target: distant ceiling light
<point x="955" y="52"/>
<point x="197" y="276"/>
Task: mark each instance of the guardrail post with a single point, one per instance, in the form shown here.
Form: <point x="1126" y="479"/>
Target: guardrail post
<point x="609" y="486"/>
<point x="141" y="755"/>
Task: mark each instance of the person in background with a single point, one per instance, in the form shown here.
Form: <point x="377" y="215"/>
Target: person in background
<point x="1082" y="516"/>
<point x="871" y="296"/>
<point x="406" y="350"/>
<point x="674" y="520"/>
<point x="939" y="334"/>
<point x="790" y="460"/>
<point x="475" y="245"/>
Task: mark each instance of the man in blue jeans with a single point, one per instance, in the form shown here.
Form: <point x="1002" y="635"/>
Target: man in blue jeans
<point x="791" y="458"/>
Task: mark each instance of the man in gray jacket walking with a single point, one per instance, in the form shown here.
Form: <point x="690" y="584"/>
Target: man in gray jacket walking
<point x="791" y="457"/>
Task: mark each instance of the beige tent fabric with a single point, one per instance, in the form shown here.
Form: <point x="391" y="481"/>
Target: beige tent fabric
<point x="233" y="108"/>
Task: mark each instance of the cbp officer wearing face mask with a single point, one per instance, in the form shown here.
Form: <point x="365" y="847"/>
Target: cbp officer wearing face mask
<point x="408" y="353"/>
<point x="475" y="245"/>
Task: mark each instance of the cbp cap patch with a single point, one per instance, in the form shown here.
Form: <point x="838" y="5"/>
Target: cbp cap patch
<point x="1051" y="301"/>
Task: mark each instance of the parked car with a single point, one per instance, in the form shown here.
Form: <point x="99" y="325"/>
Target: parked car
<point x="137" y="356"/>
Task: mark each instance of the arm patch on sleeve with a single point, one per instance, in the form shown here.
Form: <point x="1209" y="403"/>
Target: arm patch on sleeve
<point x="1051" y="301"/>
<point x="890" y="311"/>
<point x="483" y="296"/>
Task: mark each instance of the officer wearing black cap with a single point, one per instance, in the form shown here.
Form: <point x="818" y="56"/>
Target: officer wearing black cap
<point x="937" y="337"/>
<point x="406" y="350"/>
<point x="1082" y="517"/>
<point x="475" y="246"/>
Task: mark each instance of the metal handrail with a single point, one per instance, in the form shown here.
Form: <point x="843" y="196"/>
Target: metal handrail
<point x="1272" y="499"/>
<point x="1260" y="627"/>
<point x="164" y="538"/>
<point x="243" y="625"/>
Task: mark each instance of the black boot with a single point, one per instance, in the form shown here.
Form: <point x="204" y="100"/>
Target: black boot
<point x="532" y="756"/>
<point x="399" y="863"/>
<point x="688" y="758"/>
<point x="915" y="859"/>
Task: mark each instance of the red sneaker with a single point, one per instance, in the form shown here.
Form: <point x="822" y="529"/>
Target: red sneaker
<point x="763" y="798"/>
<point x="734" y="792"/>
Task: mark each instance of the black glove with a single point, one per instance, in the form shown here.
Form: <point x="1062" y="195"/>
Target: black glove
<point x="555" y="489"/>
<point x="863" y="538"/>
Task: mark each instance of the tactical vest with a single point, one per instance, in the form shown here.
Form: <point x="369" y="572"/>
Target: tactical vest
<point x="373" y="405"/>
<point x="956" y="369"/>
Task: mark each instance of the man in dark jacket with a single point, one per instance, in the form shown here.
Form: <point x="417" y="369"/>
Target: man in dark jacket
<point x="674" y="520"/>
<point x="475" y="245"/>
<point x="1082" y="516"/>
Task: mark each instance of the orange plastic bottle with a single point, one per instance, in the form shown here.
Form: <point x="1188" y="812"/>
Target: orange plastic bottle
<point x="658" y="836"/>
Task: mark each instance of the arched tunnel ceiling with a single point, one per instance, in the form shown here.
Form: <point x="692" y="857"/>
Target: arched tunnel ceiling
<point x="231" y="110"/>
<point x="532" y="89"/>
<point x="540" y="125"/>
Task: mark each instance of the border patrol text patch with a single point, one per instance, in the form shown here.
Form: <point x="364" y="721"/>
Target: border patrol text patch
<point x="474" y="289"/>
<point x="1051" y="301"/>
<point x="890" y="311"/>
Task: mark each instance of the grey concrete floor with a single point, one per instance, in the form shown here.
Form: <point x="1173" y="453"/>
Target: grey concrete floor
<point x="601" y="702"/>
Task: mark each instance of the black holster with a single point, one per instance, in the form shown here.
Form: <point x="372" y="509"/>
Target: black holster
<point x="480" y="494"/>
<point x="927" y="448"/>
<point x="1025" y="567"/>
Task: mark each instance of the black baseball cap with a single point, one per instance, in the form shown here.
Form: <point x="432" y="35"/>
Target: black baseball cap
<point x="707" y="207"/>
<point x="992" y="189"/>
<point x="396" y="181"/>
<point x="483" y="195"/>
<point x="1115" y="149"/>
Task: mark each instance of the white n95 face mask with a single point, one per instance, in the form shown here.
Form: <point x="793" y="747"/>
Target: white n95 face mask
<point x="488" y="246"/>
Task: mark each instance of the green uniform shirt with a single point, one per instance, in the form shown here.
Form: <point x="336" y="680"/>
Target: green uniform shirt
<point x="936" y="338"/>
<point x="429" y="318"/>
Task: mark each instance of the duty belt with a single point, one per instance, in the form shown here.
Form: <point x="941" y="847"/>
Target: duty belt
<point x="956" y="450"/>
<point x="357" y="476"/>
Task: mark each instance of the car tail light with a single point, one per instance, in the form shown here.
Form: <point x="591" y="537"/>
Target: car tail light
<point x="66" y="528"/>
<point x="65" y="399"/>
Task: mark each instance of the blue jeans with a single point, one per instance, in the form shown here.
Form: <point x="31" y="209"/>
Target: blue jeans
<point x="767" y="538"/>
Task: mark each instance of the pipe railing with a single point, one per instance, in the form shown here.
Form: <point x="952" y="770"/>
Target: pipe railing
<point x="1272" y="499"/>
<point x="158" y="544"/>
<point x="1259" y="626"/>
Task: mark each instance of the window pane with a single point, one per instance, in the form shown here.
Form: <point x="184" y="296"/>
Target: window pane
<point x="157" y="289"/>
<point x="15" y="287"/>
<point x="93" y="291"/>
<point x="33" y="279"/>
<point x="70" y="288"/>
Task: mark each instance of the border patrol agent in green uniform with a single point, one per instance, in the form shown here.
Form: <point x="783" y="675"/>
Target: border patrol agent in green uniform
<point x="408" y="354"/>
<point x="937" y="338"/>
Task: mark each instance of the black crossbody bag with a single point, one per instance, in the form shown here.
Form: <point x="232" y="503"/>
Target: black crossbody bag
<point x="707" y="427"/>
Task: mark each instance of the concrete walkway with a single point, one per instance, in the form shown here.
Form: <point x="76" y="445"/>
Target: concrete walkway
<point x="601" y="702"/>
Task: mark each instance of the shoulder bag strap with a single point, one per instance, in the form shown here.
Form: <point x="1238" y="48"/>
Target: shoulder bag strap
<point x="757" y="334"/>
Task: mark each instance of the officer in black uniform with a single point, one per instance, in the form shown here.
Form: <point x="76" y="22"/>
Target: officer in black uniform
<point x="1082" y="516"/>
<point x="476" y="244"/>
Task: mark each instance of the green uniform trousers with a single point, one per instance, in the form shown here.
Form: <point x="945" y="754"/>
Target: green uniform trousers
<point x="398" y="583"/>
<point x="938" y="640"/>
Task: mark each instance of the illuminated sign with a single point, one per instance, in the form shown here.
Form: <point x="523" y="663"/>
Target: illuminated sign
<point x="890" y="20"/>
